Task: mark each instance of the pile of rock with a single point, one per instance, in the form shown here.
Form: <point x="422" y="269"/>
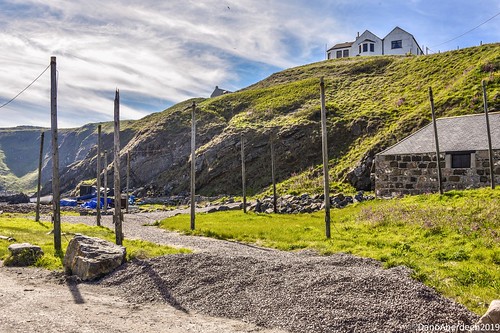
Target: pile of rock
<point x="15" y="199"/>
<point x="305" y="203"/>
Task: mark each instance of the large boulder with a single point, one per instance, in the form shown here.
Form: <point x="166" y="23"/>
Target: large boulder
<point x="490" y="322"/>
<point x="23" y="254"/>
<point x="90" y="258"/>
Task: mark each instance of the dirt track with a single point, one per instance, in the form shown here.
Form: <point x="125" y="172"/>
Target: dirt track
<point x="34" y="300"/>
<point x="282" y="291"/>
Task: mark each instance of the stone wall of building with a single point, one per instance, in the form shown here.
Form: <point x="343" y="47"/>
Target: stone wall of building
<point x="397" y="175"/>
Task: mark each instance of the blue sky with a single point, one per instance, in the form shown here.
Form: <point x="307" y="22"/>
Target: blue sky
<point x="162" y="52"/>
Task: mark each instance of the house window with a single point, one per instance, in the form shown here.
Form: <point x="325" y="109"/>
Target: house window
<point x="346" y="54"/>
<point x="372" y="47"/>
<point x="397" y="44"/>
<point x="359" y="48"/>
<point x="365" y="47"/>
<point x="339" y="54"/>
<point x="460" y="160"/>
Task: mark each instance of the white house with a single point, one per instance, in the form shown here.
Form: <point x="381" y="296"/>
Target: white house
<point x="397" y="42"/>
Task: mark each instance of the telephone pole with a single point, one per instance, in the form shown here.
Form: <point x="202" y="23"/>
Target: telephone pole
<point x="193" y="165"/>
<point x="98" y="178"/>
<point x="39" y="185"/>
<point x="56" y="204"/>
<point x="118" y="197"/>
<point x="326" y="178"/>
<point x="436" y="141"/>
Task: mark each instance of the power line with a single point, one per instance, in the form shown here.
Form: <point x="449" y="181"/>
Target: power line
<point x="465" y="33"/>
<point x="29" y="85"/>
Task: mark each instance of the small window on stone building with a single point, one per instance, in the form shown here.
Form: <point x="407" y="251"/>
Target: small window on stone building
<point x="372" y="47"/>
<point x="345" y="53"/>
<point x="339" y="54"/>
<point x="460" y="160"/>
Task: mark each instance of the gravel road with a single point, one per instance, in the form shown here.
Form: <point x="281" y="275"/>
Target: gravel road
<point x="294" y="292"/>
<point x="38" y="301"/>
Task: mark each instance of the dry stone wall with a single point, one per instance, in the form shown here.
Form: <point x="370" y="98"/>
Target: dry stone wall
<point x="397" y="175"/>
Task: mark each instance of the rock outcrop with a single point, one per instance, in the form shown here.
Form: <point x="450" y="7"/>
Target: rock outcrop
<point x="490" y="321"/>
<point x="23" y="254"/>
<point x="90" y="258"/>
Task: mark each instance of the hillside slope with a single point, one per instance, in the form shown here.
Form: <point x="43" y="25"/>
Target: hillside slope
<point x="372" y="102"/>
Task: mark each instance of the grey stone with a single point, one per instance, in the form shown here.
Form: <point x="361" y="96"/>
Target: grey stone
<point x="359" y="196"/>
<point x="23" y="254"/>
<point x="258" y="206"/>
<point x="490" y="321"/>
<point x="90" y="258"/>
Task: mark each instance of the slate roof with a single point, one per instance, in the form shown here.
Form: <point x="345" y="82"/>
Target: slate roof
<point x="218" y="92"/>
<point x="464" y="133"/>
<point x="341" y="45"/>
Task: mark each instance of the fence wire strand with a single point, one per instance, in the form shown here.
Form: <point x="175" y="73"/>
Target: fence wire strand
<point x="29" y="85"/>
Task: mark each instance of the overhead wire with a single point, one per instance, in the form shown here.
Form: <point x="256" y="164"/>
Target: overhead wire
<point x="29" y="85"/>
<point x="465" y="33"/>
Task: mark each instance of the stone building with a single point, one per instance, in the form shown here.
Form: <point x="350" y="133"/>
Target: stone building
<point x="410" y="166"/>
<point x="219" y="92"/>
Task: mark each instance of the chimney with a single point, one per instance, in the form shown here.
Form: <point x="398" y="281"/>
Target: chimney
<point x="358" y="34"/>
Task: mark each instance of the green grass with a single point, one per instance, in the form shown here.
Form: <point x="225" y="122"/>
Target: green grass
<point x="450" y="241"/>
<point x="24" y="230"/>
<point x="371" y="102"/>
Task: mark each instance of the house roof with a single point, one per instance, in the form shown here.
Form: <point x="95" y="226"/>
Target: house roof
<point x="398" y="28"/>
<point x="218" y="92"/>
<point x="464" y="133"/>
<point x="341" y="45"/>
<point x="367" y="35"/>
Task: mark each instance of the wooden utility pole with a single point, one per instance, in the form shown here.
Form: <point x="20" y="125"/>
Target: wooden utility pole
<point x="243" y="177"/>
<point x="105" y="206"/>
<point x="436" y="141"/>
<point x="39" y="185"/>
<point x="273" y="172"/>
<point x="193" y="165"/>
<point x="98" y="178"/>
<point x="56" y="203"/>
<point x="117" y="217"/>
<point x="488" y="131"/>
<point x="326" y="178"/>
<point x="128" y="181"/>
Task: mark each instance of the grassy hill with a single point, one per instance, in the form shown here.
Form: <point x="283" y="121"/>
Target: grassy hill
<point x="372" y="102"/>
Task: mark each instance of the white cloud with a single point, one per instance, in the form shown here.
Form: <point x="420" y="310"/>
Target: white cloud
<point x="170" y="50"/>
<point x="164" y="51"/>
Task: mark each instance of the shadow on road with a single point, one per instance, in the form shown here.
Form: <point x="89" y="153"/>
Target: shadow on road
<point x="75" y="292"/>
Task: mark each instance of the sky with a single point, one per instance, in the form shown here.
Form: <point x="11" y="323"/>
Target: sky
<point x="158" y="53"/>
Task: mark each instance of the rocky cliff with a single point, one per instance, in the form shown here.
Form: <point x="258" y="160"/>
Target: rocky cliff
<point x="372" y="102"/>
